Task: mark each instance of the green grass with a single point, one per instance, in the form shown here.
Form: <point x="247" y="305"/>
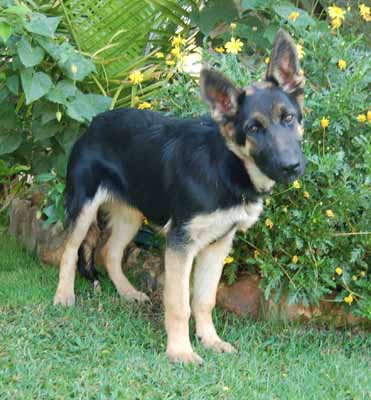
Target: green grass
<point x="104" y="348"/>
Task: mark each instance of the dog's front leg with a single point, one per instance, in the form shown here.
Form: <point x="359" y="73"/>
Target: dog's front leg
<point x="178" y="266"/>
<point x="208" y="270"/>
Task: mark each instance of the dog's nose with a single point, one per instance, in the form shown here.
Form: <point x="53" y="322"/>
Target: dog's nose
<point x="291" y="169"/>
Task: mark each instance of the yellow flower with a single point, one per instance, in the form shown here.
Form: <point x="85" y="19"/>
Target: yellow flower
<point x="361" y="118"/>
<point x="136" y="77"/>
<point x="349" y="299"/>
<point x="329" y="214"/>
<point x="294" y="16"/>
<point x="267" y="201"/>
<point x="336" y="12"/>
<point x="306" y="195"/>
<point x="339" y="271"/>
<point x="354" y="278"/>
<point x="219" y="49"/>
<point x="269" y="223"/>
<point x="144" y="106"/>
<point x="267" y="60"/>
<point x="159" y="54"/>
<point x="170" y="62"/>
<point x="363" y="273"/>
<point x="145" y="221"/>
<point x="365" y="12"/>
<point x="234" y="46"/>
<point x="228" y="260"/>
<point x="300" y="50"/>
<point x="296" y="184"/>
<point x="336" y="23"/>
<point x="256" y="253"/>
<point x="295" y="259"/>
<point x="325" y="122"/>
<point x="233" y="25"/>
<point x="342" y="64"/>
<point x="177" y="41"/>
<point x="176" y="52"/>
<point x="369" y="116"/>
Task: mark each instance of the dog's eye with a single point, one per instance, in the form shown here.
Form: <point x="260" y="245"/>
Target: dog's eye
<point x="288" y="118"/>
<point x="254" y="128"/>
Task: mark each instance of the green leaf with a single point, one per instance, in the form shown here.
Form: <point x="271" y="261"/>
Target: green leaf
<point x="215" y="11"/>
<point x="77" y="67"/>
<point x="14" y="169"/>
<point x="303" y="20"/>
<point x="44" y="131"/>
<point x="12" y="84"/>
<point x="253" y="4"/>
<point x="29" y="56"/>
<point x="62" y="92"/>
<point x="85" y="106"/>
<point x="10" y="141"/>
<point x="35" y="84"/>
<point x="43" y="178"/>
<point x="17" y="10"/>
<point x="5" y="31"/>
<point x="42" y="25"/>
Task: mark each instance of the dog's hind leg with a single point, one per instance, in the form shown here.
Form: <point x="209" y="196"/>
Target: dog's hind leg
<point x="65" y="292"/>
<point x="124" y="222"/>
<point x="208" y="270"/>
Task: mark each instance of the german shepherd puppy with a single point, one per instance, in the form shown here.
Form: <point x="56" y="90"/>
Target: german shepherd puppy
<point x="202" y="178"/>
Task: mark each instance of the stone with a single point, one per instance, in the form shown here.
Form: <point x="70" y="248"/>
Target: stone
<point x="243" y="298"/>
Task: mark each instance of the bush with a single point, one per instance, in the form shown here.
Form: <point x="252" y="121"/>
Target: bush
<point x="313" y="239"/>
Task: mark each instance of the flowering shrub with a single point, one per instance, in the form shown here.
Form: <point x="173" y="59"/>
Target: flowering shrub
<point x="313" y="240"/>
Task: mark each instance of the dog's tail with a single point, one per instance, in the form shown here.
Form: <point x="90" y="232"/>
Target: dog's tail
<point x="86" y="256"/>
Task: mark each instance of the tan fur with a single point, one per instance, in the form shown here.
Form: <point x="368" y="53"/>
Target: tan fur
<point x="208" y="270"/>
<point x="124" y="223"/>
<point x="249" y="91"/>
<point x="263" y="85"/>
<point x="228" y="130"/>
<point x="261" y="181"/>
<point x="263" y="119"/>
<point x="300" y="130"/>
<point x="65" y="292"/>
<point x="178" y="266"/>
<point x="204" y="229"/>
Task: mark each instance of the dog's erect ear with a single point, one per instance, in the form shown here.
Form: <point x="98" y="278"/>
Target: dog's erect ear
<point x="284" y="67"/>
<point x="221" y="94"/>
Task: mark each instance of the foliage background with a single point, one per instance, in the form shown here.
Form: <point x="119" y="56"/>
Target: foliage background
<point x="62" y="63"/>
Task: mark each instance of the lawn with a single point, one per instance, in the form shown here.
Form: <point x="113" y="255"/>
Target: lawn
<point x="104" y="348"/>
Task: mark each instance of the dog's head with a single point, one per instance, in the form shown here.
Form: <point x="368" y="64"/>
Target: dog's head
<point x="262" y="123"/>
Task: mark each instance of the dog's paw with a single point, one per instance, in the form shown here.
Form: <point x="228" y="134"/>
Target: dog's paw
<point x="64" y="298"/>
<point x="188" y="357"/>
<point x="137" y="296"/>
<point x="219" y="346"/>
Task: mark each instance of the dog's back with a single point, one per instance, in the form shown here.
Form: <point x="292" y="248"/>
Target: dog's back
<point x="130" y="152"/>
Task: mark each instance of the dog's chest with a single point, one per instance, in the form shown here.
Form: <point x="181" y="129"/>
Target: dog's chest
<point x="207" y="228"/>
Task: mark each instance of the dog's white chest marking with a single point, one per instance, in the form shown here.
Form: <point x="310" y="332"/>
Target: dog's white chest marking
<point x="206" y="228"/>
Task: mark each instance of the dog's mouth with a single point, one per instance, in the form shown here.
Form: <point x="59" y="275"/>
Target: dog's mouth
<point x="283" y="172"/>
<point x="288" y="173"/>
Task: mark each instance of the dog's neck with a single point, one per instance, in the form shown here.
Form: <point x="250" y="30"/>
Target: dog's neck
<point x="262" y="183"/>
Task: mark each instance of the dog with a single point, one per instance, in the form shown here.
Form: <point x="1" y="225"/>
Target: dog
<point x="203" y="178"/>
